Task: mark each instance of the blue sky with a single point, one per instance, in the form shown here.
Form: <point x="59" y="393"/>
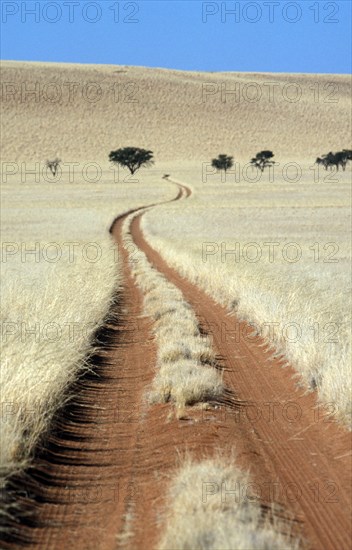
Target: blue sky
<point x="281" y="36"/>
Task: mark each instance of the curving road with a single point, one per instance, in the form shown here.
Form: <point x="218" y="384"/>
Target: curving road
<point x="100" y="482"/>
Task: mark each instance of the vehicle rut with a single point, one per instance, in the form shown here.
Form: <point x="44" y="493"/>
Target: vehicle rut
<point x="100" y="480"/>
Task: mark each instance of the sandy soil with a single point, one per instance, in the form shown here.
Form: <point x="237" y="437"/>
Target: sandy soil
<point x="82" y="112"/>
<point x="103" y="473"/>
<point x="304" y="450"/>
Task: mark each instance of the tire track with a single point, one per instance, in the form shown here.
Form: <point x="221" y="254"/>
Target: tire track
<point x="297" y="455"/>
<point x="100" y="481"/>
<point x="78" y="490"/>
<point x="99" y="478"/>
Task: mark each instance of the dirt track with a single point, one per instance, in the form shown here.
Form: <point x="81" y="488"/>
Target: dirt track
<point x="292" y="449"/>
<point x="111" y="454"/>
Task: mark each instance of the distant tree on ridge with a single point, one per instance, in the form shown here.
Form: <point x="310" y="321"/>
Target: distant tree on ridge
<point x="263" y="160"/>
<point x="222" y="162"/>
<point x="132" y="158"/>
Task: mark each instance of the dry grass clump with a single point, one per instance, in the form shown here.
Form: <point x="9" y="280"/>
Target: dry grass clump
<point x="188" y="348"/>
<point x="209" y="509"/>
<point x="158" y="308"/>
<point x="185" y="382"/>
<point x="166" y="328"/>
<point x="182" y="317"/>
<point x="185" y="359"/>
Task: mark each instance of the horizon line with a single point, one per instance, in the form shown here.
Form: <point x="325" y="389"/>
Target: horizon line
<point x="167" y="68"/>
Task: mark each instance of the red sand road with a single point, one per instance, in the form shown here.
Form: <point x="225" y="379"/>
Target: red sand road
<point x="120" y="451"/>
<point x="112" y="455"/>
<point x="290" y="446"/>
<point x="105" y="486"/>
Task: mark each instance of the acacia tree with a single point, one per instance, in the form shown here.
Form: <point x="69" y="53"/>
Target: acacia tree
<point x="53" y="165"/>
<point x="223" y="162"/>
<point x="263" y="160"/>
<point x="335" y="159"/>
<point x="132" y="158"/>
<point x="343" y="157"/>
<point x="323" y="161"/>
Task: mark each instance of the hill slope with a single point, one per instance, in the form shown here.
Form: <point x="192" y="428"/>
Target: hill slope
<point x="81" y="112"/>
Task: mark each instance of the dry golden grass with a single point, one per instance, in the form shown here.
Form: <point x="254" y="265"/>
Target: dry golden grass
<point x="301" y="308"/>
<point x="54" y="299"/>
<point x="185" y="372"/>
<point x="210" y="508"/>
<point x="186" y="119"/>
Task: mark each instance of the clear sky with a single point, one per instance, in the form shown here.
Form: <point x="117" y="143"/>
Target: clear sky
<point x="311" y="36"/>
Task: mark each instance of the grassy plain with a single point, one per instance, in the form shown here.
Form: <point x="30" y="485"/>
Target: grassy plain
<point x="279" y="255"/>
<point x="59" y="275"/>
<point x="276" y="251"/>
